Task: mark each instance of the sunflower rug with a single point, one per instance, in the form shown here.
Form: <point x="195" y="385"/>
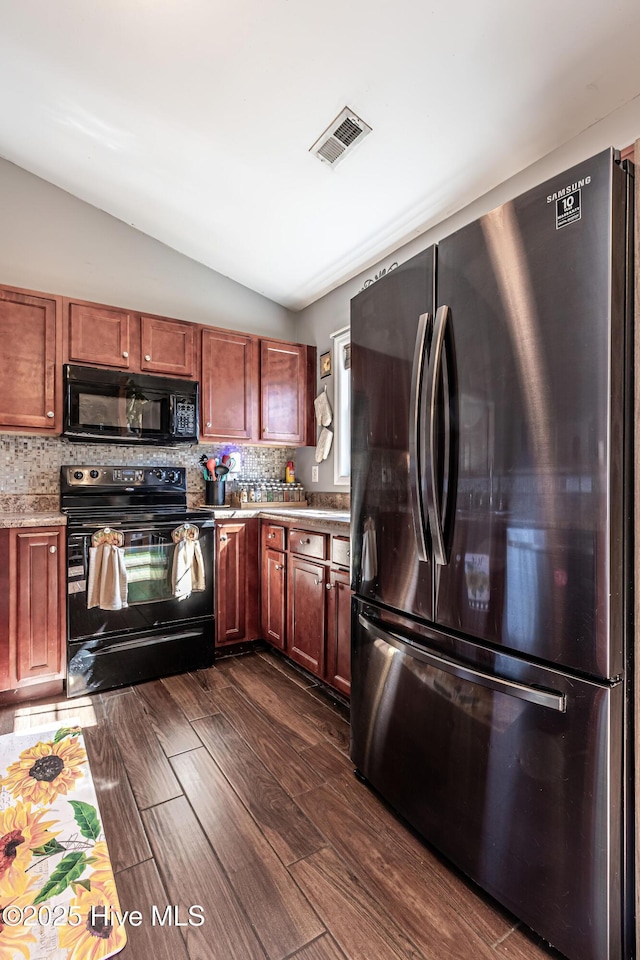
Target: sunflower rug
<point x="58" y="897"/>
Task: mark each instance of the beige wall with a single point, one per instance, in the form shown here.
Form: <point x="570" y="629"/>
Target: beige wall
<point x="329" y="314"/>
<point x="51" y="241"/>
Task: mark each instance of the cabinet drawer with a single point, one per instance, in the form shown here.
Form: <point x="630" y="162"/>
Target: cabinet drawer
<point x="308" y="544"/>
<point x="273" y="537"/>
<point x="341" y="551"/>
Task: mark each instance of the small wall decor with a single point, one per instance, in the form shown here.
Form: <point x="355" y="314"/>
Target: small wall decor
<point x="325" y="364"/>
<point x="378" y="276"/>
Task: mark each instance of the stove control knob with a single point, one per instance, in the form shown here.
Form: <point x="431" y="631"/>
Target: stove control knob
<point x="159" y="474"/>
<point x="94" y="474"/>
<point x="174" y="476"/>
<point x="78" y="475"/>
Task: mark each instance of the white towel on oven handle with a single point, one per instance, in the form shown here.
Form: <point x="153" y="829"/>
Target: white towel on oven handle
<point x="107" y="580"/>
<point x="187" y="574"/>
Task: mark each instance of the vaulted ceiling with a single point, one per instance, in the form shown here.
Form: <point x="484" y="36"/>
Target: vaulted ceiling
<point x="192" y="119"/>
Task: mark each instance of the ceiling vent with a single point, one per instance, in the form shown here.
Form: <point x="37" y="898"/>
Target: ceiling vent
<point x="340" y="138"/>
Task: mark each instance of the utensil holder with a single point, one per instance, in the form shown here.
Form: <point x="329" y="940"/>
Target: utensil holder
<point x="214" y="493"/>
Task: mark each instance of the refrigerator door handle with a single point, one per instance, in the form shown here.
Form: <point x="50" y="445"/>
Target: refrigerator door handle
<point x="542" y="698"/>
<point x="415" y="438"/>
<point x="434" y="508"/>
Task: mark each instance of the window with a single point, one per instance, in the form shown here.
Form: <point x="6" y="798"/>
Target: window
<point x="342" y="402"/>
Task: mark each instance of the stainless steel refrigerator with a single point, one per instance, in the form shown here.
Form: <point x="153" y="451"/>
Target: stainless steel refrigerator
<point x="491" y="466"/>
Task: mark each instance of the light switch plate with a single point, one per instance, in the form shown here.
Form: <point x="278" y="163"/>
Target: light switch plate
<point x="314" y="474"/>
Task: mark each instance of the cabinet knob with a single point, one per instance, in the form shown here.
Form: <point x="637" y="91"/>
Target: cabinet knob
<point x="317" y="582"/>
<point x="271" y="536"/>
<point x="50" y="414"/>
<point x="222" y="537"/>
<point x="278" y="566"/>
<point x="306" y="541"/>
<point x="125" y="354"/>
<point x="208" y="424"/>
<point x="147" y="357"/>
<point x="348" y="553"/>
<point x="328" y="586"/>
<point x="53" y="549"/>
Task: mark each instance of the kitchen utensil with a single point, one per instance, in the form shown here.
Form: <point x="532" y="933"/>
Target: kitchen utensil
<point x="221" y="471"/>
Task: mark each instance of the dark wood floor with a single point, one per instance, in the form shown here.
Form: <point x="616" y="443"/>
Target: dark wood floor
<point x="232" y="789"/>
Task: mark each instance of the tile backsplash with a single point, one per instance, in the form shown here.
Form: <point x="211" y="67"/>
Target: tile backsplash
<point x="30" y="465"/>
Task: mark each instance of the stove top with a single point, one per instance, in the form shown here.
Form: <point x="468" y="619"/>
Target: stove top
<point x="96" y="490"/>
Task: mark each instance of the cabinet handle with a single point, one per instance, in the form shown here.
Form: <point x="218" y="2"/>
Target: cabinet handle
<point x="208" y="425"/>
<point x="348" y="553"/>
<point x="50" y="414"/>
<point x="125" y="354"/>
<point x="328" y="586"/>
<point x="147" y="357"/>
<point x="53" y="549"/>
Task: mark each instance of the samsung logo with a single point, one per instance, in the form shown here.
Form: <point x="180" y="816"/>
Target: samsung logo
<point x="570" y="188"/>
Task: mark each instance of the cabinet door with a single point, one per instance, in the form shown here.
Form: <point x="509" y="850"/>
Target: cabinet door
<point x="28" y="362"/>
<point x="237" y="593"/>
<point x="228" y="386"/>
<point x="167" y="346"/>
<point x="306" y="626"/>
<point x="39" y="604"/>
<point x="338" y="666"/>
<point x="283" y="378"/>
<point x="100" y="335"/>
<point x="274" y="588"/>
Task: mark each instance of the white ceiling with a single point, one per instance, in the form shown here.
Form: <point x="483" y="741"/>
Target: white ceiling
<point x="192" y="119"/>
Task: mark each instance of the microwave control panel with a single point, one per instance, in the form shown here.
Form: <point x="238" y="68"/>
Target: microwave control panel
<point x="185" y="422"/>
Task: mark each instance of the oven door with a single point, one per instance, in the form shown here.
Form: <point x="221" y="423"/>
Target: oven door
<point x="149" y="555"/>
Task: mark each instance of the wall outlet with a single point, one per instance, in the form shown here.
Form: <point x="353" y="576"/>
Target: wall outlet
<point x="314" y="474"/>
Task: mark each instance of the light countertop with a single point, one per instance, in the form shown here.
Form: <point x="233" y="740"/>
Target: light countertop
<point x="49" y="519"/>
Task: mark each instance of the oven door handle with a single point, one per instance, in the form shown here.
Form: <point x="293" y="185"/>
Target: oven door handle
<point x="126" y="526"/>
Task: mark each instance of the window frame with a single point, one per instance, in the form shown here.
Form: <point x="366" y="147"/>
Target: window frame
<point x="342" y="409"/>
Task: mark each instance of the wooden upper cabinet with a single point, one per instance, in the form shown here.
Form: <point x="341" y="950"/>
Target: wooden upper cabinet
<point x="106" y="336"/>
<point x="100" y="335"/>
<point x="287" y="373"/>
<point x="228" y="387"/>
<point x="30" y="393"/>
<point x="167" y="346"/>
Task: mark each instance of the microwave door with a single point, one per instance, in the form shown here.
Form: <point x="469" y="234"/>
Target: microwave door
<point x="109" y="406"/>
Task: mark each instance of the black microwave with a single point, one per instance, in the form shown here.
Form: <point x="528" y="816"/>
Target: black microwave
<point x="119" y="407"/>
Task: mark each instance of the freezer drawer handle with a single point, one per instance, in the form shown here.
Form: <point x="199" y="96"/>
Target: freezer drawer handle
<point x="543" y="698"/>
<point x="415" y="437"/>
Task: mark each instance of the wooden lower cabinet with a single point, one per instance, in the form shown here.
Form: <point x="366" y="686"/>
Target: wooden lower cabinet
<point x="237" y="586"/>
<point x="306" y="600"/>
<point x="32" y="607"/>
<point x="306" y="626"/>
<point x="338" y="660"/>
<point x="274" y="597"/>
